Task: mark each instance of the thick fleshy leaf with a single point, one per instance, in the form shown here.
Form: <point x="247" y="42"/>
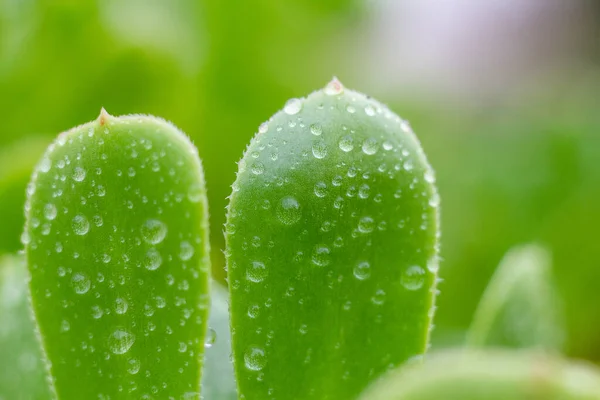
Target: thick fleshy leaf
<point x="22" y="372"/>
<point x="331" y="236"/>
<point x="489" y="375"/>
<point x="520" y="306"/>
<point x="117" y="249"/>
<point x="218" y="382"/>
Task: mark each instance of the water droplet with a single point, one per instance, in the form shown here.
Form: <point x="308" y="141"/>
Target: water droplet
<point x="263" y="128"/>
<point x="153" y="259"/>
<point x="362" y="270"/>
<point x="120" y="341"/>
<point x="289" y="211"/>
<point x="319" y="149"/>
<point x="186" y="250"/>
<point x="195" y="193"/>
<point x="316" y="129"/>
<point x="258" y="168"/>
<point x="50" y="211"/>
<point x="370" y="146"/>
<point x="350" y="109"/>
<point x="346" y="143"/>
<point x="334" y="87"/>
<point x="379" y="297"/>
<point x="257" y="272"/>
<point x="366" y="225"/>
<point x="387" y="146"/>
<point x="253" y="311"/>
<point x="429" y="176"/>
<point x="81" y="283"/>
<point x="364" y="191"/>
<point x="78" y="174"/>
<point x="321" y="256"/>
<point x="413" y="278"/>
<point x="408" y="165"/>
<point x="320" y="189"/>
<point x="255" y="358"/>
<point x="293" y="106"/>
<point x="97" y="312"/>
<point x="121" y="305"/>
<point x="370" y="110"/>
<point x="133" y="366"/>
<point x="80" y="225"/>
<point x="154" y="231"/>
<point x="45" y="165"/>
<point x="210" y="339"/>
<point x="434" y="201"/>
<point x="25" y="238"/>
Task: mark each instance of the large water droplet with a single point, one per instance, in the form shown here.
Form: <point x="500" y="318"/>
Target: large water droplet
<point x="292" y="107"/>
<point x="321" y="256"/>
<point x="154" y="231"/>
<point x="257" y="271"/>
<point x="379" y="297"/>
<point x="320" y="189"/>
<point x="362" y="270"/>
<point x="80" y="225"/>
<point x="120" y="341"/>
<point x="413" y="278"/>
<point x="153" y="259"/>
<point x="366" y="225"/>
<point x="78" y="174"/>
<point x="346" y="143"/>
<point x="370" y="146"/>
<point x="288" y="210"/>
<point x="319" y="149"/>
<point x="81" y="283"/>
<point x="255" y="358"/>
<point x="121" y="305"/>
<point x="334" y="87"/>
<point x="50" y="211"/>
<point x="316" y="129"/>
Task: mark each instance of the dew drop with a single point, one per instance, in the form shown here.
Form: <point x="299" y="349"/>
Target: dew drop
<point x="387" y="146"/>
<point x="346" y="144"/>
<point x="364" y="191"/>
<point x="186" y="250"/>
<point x="263" y="128"/>
<point x="434" y="201"/>
<point x="362" y="270"/>
<point x="350" y="109"/>
<point x="429" y="176"/>
<point x="133" y="366"/>
<point x="81" y="283"/>
<point x="154" y="231"/>
<point x="80" y="225"/>
<point x="292" y="107"/>
<point x="320" y="189"/>
<point x="257" y="168"/>
<point x="257" y="272"/>
<point x="370" y="146"/>
<point x="195" y="193"/>
<point x="413" y="278"/>
<point x="319" y="149"/>
<point x="120" y="341"/>
<point x="78" y="174"/>
<point x="50" y="211"/>
<point x="316" y="129"/>
<point x="121" y="305"/>
<point x="153" y="259"/>
<point x="255" y="358"/>
<point x="334" y="87"/>
<point x="210" y="339"/>
<point x="370" y="110"/>
<point x="288" y="210"/>
<point x="45" y="165"/>
<point x="253" y="311"/>
<point x="379" y="297"/>
<point x="321" y="256"/>
<point x="366" y="225"/>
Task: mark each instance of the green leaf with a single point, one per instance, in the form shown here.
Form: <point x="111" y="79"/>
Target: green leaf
<point x="117" y="249"/>
<point x="489" y="375"/>
<point x="331" y="249"/>
<point x="519" y="308"/>
<point x="22" y="374"/>
<point x="218" y="382"/>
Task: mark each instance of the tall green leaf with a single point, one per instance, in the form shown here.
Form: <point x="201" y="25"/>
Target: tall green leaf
<point x="519" y="307"/>
<point x="117" y="249"/>
<point x="22" y="375"/>
<point x="490" y="375"/>
<point x="331" y="237"/>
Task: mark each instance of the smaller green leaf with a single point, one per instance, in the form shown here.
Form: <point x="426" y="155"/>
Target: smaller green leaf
<point x="519" y="308"/>
<point x="117" y="249"/>
<point x="22" y="372"/>
<point x="218" y="381"/>
<point x="489" y="375"/>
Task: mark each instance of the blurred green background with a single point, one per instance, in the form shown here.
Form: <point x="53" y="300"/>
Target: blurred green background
<point x="504" y="95"/>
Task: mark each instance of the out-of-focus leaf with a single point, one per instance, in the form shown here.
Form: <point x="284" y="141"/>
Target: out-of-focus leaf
<point x="520" y="306"/>
<point x="331" y="234"/>
<point x="117" y="248"/>
<point x="22" y="373"/>
<point x="489" y="375"/>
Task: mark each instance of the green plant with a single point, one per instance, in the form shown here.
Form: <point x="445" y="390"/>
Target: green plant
<point x="332" y="252"/>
